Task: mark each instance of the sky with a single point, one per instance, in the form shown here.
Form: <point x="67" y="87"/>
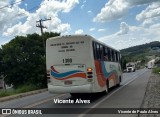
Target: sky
<point x="118" y="23"/>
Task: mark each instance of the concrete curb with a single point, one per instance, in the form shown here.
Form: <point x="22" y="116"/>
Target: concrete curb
<point x="22" y="95"/>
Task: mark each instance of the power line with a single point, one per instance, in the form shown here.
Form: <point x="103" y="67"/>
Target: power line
<point x="20" y="14"/>
<point x="41" y="27"/>
<point x="11" y="4"/>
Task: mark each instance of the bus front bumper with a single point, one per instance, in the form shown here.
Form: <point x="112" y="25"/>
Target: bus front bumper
<point x="70" y="89"/>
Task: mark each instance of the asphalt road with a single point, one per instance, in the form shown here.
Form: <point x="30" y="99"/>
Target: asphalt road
<point x="129" y="95"/>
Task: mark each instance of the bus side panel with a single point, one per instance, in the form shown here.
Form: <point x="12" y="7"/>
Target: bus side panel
<point x="99" y="74"/>
<point x="111" y="72"/>
<point x="106" y="71"/>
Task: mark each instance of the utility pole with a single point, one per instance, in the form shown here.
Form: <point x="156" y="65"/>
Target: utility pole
<point x="40" y="25"/>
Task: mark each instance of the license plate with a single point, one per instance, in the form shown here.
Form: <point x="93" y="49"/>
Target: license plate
<point x="68" y="82"/>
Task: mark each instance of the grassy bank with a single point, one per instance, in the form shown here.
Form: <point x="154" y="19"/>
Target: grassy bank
<point x="22" y="89"/>
<point x="156" y="70"/>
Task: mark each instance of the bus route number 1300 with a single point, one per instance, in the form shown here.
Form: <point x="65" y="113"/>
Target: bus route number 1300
<point x="67" y="60"/>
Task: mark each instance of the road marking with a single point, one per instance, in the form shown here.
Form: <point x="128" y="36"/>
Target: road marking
<point x="109" y="95"/>
<point x="38" y="103"/>
<point x="44" y="101"/>
<point x="95" y="105"/>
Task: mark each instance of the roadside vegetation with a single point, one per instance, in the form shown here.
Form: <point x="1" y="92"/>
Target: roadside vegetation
<point x="142" y="53"/>
<point x="23" y="63"/>
<point x="21" y="89"/>
<point x="156" y="70"/>
<point x="157" y="67"/>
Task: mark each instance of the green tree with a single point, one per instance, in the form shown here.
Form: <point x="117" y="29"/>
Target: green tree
<point x="24" y="60"/>
<point x="125" y="60"/>
<point x="1" y="63"/>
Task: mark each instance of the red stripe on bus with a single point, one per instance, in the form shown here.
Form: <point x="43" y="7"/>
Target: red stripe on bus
<point x="100" y="77"/>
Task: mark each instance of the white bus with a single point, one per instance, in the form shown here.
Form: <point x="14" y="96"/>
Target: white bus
<point x="150" y="64"/>
<point x="80" y="64"/>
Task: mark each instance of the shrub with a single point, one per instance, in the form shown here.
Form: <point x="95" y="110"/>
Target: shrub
<point x="156" y="70"/>
<point x="20" y="89"/>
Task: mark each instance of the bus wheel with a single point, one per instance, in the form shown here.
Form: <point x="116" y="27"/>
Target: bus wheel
<point x="107" y="87"/>
<point x="107" y="82"/>
<point x="119" y="81"/>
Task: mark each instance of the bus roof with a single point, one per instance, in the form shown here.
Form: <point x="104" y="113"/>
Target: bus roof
<point x="83" y="35"/>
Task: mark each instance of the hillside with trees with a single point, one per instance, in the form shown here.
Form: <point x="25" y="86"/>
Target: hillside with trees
<point x="141" y="53"/>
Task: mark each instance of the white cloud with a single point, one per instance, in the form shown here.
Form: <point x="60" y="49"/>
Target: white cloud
<point x="83" y="4"/>
<point x="155" y="26"/>
<point x="84" y="1"/>
<point x="22" y="29"/>
<point x="47" y="9"/>
<point x="18" y="1"/>
<point x="56" y="6"/>
<point x="116" y="9"/>
<point x="136" y="36"/>
<point x="151" y="11"/>
<point x="124" y="28"/>
<point x="150" y="15"/>
<point x="101" y="30"/>
<point x="147" y="22"/>
<point x="3" y="3"/>
<point x="89" y="11"/>
<point x="10" y="15"/>
<point x="79" y="31"/>
<point x="91" y="29"/>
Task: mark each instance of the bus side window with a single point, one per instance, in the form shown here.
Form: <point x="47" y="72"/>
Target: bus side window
<point x="114" y="56"/>
<point x="97" y="51"/>
<point x="120" y="57"/>
<point x="117" y="56"/>
<point x="101" y="53"/>
<point x="94" y="50"/>
<point x="106" y="54"/>
<point x="115" y="53"/>
<point x="109" y="54"/>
